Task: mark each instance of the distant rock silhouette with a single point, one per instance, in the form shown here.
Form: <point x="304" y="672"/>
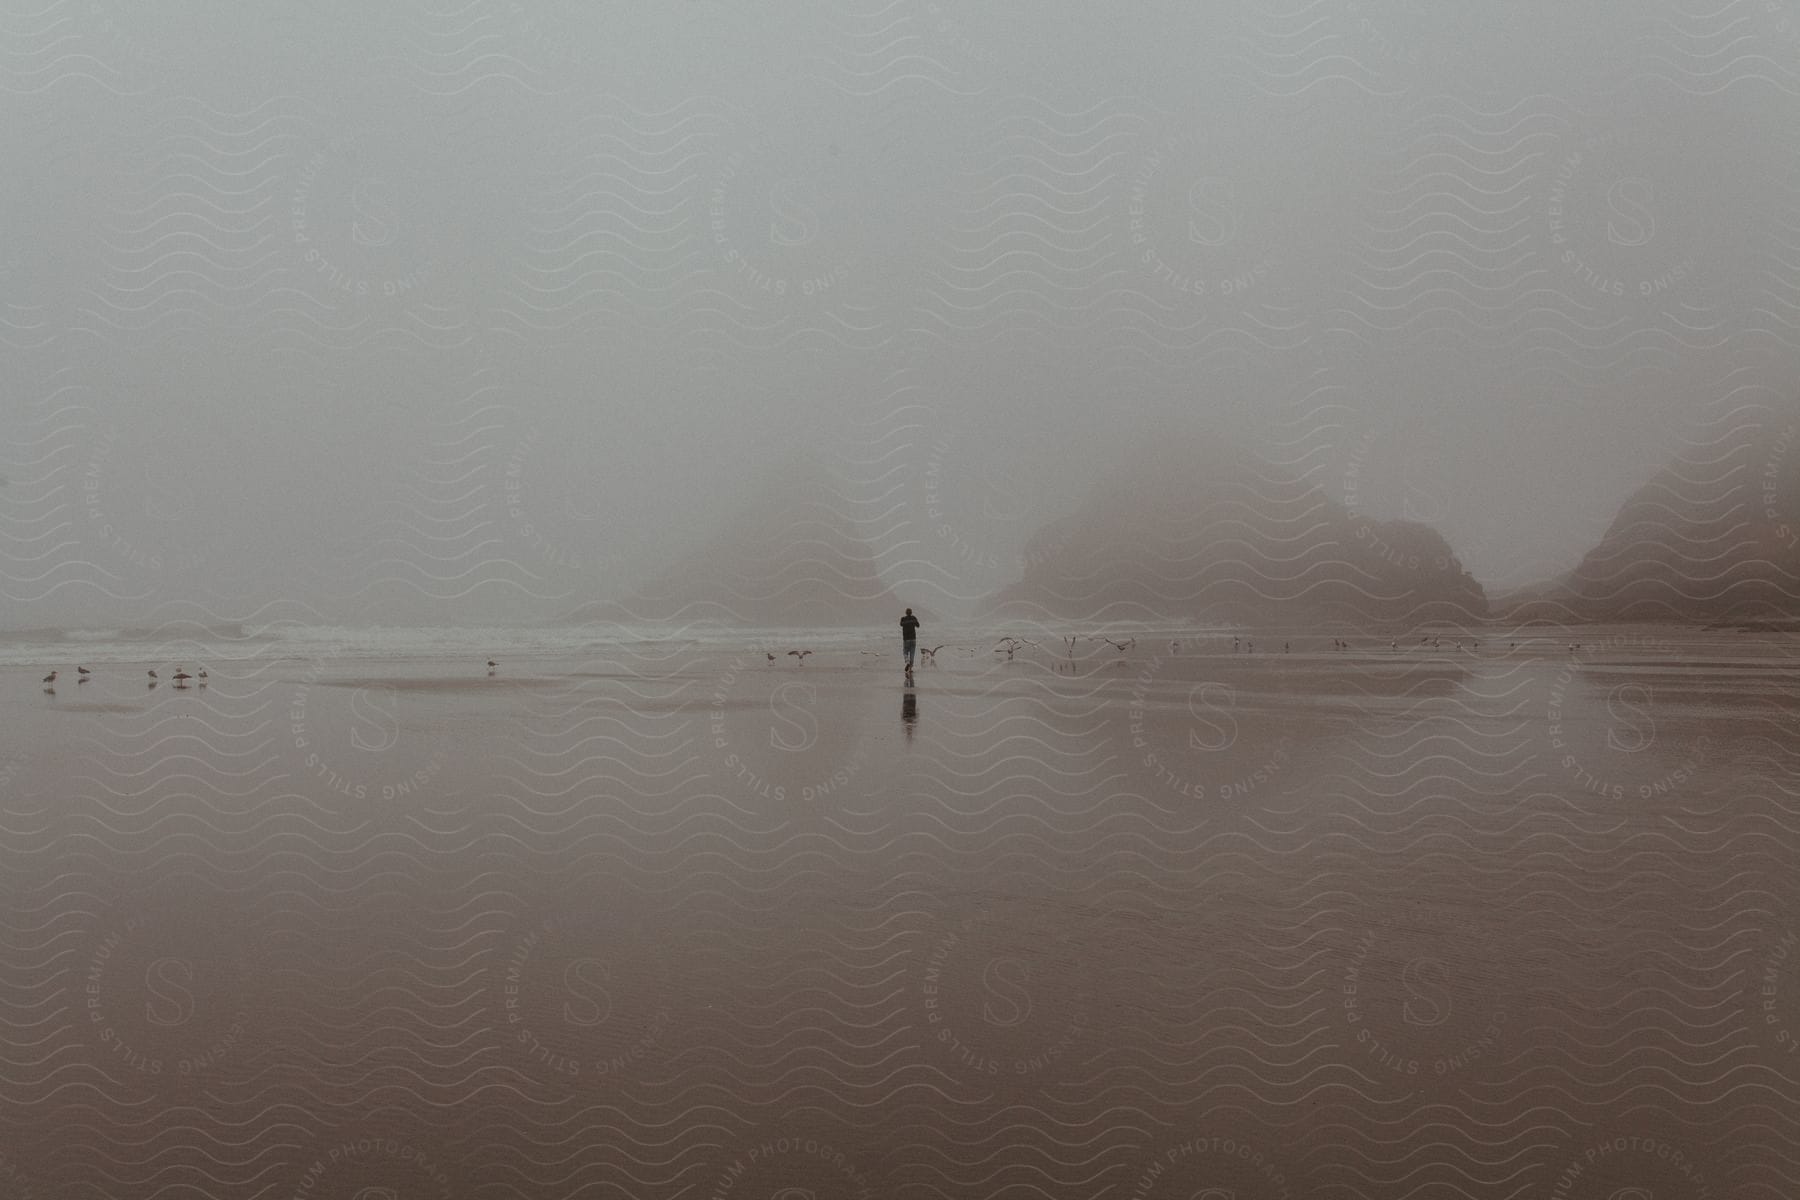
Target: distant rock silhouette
<point x="796" y="553"/>
<point x="1195" y="530"/>
<point x="1714" y="536"/>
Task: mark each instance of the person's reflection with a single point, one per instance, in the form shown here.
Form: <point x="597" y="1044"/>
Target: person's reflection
<point x="909" y="712"/>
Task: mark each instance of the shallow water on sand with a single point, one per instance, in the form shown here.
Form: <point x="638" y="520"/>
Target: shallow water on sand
<point x="1504" y="919"/>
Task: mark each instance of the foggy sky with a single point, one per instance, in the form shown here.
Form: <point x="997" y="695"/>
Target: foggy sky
<point x="479" y="311"/>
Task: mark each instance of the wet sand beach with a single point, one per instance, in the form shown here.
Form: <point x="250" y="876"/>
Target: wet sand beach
<point x="1506" y="920"/>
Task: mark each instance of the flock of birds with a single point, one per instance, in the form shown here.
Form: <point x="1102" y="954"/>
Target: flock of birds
<point x="181" y="677"/>
<point x="1008" y="646"/>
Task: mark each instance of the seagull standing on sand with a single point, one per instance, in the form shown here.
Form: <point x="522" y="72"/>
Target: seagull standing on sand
<point x="491" y="666"/>
<point x="202" y="676"/>
<point x="83" y="671"/>
<point x="50" y="678"/>
<point x="771" y="656"/>
<point x="153" y="674"/>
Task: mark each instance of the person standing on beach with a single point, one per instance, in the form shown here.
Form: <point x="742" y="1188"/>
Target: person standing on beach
<point x="909" y="637"/>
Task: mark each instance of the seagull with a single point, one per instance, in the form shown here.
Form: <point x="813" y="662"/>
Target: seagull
<point x="491" y="666"/>
<point x="50" y="678"/>
<point x="83" y="671"/>
<point x="1123" y="646"/>
<point x="771" y="656"/>
<point x="801" y="655"/>
<point x="202" y="676"/>
<point x="181" y="678"/>
<point x="153" y="674"/>
<point x="930" y="655"/>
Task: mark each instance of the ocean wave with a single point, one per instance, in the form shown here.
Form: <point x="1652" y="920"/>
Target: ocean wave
<point x="172" y="631"/>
